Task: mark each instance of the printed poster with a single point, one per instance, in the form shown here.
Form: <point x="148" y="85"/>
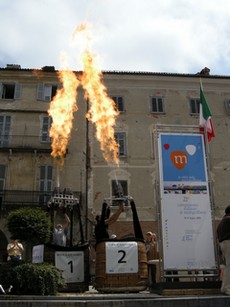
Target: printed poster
<point x="188" y="240"/>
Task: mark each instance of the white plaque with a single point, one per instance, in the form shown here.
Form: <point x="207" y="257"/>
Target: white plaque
<point x="71" y="263"/>
<point x="38" y="253"/>
<point x="121" y="257"/>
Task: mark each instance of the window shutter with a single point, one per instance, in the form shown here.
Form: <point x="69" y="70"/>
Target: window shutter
<point x="2" y="177"/>
<point x="17" y="93"/>
<point x="47" y="92"/>
<point x="45" y="127"/>
<point x="195" y="106"/>
<point x="40" y="90"/>
<point x="42" y="172"/>
<point x="160" y="105"/>
<point x="7" y="124"/>
<point x="227" y="106"/>
<point x="120" y="104"/>
<point x="154" y="104"/>
<point x="46" y="177"/>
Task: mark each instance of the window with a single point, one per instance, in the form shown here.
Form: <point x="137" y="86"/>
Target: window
<point x="195" y="106"/>
<point x="2" y="182"/>
<point x="5" y="123"/>
<point x="45" y="183"/>
<point x="45" y="128"/>
<point x="10" y="90"/>
<point x="157" y="104"/>
<point x="119" y="187"/>
<point x="119" y="101"/>
<point x="120" y="138"/>
<point x="227" y="106"/>
<point x="46" y="92"/>
<point x="2" y="177"/>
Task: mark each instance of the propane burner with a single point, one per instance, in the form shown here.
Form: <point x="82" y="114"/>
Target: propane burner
<point x="63" y="198"/>
<point x="116" y="201"/>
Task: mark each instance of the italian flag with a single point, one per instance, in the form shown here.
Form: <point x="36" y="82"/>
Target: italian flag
<point x="205" y="116"/>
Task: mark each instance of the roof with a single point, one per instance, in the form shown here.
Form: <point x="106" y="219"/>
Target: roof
<point x="51" y="69"/>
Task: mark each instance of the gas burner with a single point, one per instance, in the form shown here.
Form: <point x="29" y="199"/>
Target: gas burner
<point x="63" y="199"/>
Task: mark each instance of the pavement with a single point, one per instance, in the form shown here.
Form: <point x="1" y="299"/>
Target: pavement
<point x="91" y="298"/>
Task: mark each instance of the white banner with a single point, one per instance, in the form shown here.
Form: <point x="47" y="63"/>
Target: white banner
<point x="121" y="257"/>
<point x="38" y="253"/>
<point x="71" y="263"/>
<point x="188" y="241"/>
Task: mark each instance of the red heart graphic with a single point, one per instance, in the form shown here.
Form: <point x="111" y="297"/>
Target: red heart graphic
<point x="166" y="146"/>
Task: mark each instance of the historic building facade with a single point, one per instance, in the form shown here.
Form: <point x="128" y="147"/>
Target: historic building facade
<point x="28" y="173"/>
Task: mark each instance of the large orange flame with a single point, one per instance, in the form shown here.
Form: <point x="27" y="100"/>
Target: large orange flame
<point x="102" y="110"/>
<point x="61" y="110"/>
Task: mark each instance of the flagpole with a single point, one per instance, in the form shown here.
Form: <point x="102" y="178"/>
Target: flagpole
<point x="204" y="128"/>
<point x="208" y="162"/>
<point x="201" y="83"/>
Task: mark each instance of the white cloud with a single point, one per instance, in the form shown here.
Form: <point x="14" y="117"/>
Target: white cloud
<point x="160" y="35"/>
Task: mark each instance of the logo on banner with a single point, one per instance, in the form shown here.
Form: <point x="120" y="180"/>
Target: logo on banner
<point x="179" y="158"/>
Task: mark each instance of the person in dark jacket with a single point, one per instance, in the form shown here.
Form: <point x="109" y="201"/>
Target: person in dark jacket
<point x="104" y="220"/>
<point x="223" y="235"/>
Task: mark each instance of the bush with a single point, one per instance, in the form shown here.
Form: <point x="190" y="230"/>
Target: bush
<point x="30" y="225"/>
<point x="32" y="279"/>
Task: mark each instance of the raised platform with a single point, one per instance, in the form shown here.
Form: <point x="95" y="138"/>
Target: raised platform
<point x="142" y="299"/>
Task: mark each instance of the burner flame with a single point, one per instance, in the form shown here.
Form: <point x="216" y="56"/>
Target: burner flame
<point x="62" y="109"/>
<point x="102" y="109"/>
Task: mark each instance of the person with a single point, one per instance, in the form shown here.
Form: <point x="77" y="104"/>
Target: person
<point x="104" y="220"/>
<point x="222" y="265"/>
<point x="14" y="250"/>
<point x="151" y="246"/>
<point x="223" y="235"/>
<point x="152" y="254"/>
<point x="61" y="231"/>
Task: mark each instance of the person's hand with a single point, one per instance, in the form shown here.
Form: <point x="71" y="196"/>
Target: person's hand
<point x="122" y="207"/>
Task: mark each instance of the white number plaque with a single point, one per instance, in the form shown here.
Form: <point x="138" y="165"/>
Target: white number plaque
<point x="71" y="263"/>
<point x="121" y="257"/>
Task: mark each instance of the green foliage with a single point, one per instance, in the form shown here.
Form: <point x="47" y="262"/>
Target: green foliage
<point x="30" y="225"/>
<point x="32" y="279"/>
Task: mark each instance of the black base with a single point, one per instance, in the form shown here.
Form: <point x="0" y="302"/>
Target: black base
<point x="159" y="287"/>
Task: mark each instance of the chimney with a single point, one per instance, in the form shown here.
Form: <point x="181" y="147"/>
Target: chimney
<point x="13" y="66"/>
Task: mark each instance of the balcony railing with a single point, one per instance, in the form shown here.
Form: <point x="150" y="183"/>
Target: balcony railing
<point x="25" y="143"/>
<point x="13" y="199"/>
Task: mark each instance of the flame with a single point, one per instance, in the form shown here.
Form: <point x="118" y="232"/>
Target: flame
<point x="102" y="110"/>
<point x="86" y="31"/>
<point x="61" y="110"/>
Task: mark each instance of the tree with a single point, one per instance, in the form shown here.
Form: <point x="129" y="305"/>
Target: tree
<point x="32" y="225"/>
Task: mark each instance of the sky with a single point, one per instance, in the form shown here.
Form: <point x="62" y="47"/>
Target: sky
<point x="166" y="36"/>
